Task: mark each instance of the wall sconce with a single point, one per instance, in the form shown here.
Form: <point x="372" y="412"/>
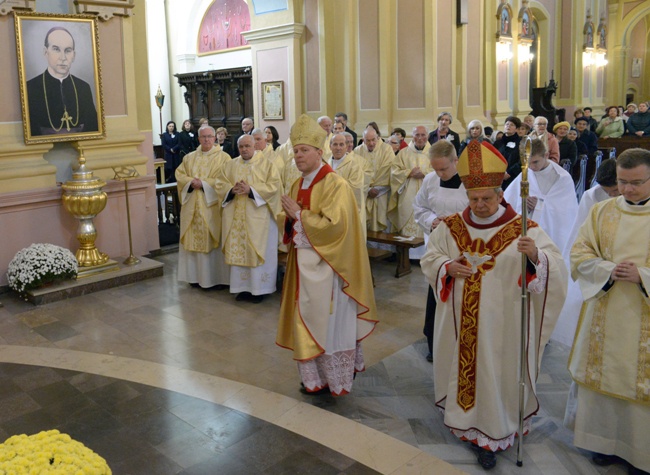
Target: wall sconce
<point x="524" y="54"/>
<point x="504" y="54"/>
<point x="587" y="59"/>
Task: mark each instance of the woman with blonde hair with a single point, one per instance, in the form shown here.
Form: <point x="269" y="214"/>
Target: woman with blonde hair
<point x="475" y="131"/>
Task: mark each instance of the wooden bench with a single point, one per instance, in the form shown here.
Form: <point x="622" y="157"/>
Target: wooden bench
<point x="402" y="247"/>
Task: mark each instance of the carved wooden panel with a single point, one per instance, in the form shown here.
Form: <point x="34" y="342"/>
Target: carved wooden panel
<point x="225" y="97"/>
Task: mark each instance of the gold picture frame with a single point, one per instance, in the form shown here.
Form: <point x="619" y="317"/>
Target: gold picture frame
<point x="273" y="100"/>
<point x="59" y="69"/>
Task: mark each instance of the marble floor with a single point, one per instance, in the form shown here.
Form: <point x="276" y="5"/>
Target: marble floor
<point x="159" y="377"/>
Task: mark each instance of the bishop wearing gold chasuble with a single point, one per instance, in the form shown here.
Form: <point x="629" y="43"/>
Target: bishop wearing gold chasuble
<point x="610" y="358"/>
<point x="473" y="263"/>
<point x="328" y="303"/>
<point x="200" y="260"/>
<point x="250" y="188"/>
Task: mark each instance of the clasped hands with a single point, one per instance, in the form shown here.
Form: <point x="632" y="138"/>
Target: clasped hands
<point x="290" y="206"/>
<point x="416" y="173"/>
<point x="459" y="267"/>
<point x="241" y="188"/>
<point x="196" y="184"/>
<point x="626" y="271"/>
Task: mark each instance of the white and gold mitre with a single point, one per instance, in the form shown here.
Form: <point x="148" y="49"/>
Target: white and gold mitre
<point x="307" y="131"/>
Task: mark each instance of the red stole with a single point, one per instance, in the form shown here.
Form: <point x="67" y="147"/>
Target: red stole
<point x="304" y="200"/>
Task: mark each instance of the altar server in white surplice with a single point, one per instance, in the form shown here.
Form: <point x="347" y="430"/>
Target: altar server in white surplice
<point x="552" y="202"/>
<point x="606" y="188"/>
<point x="442" y="194"/>
<point x="200" y="260"/>
<point x="249" y="187"/>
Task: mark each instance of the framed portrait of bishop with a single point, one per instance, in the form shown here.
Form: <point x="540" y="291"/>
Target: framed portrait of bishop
<point x="60" y="77"/>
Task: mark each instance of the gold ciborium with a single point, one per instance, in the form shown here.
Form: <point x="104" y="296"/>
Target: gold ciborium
<point x="84" y="199"/>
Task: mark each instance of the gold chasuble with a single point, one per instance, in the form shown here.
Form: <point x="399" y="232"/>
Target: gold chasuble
<point x="611" y="350"/>
<point x="245" y="226"/>
<point x="330" y="221"/>
<point x="200" y="220"/>
<point x="403" y="189"/>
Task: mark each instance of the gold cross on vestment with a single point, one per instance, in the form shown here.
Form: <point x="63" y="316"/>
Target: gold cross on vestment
<point x="67" y="119"/>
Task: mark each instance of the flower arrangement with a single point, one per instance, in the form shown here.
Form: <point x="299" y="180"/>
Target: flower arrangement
<point x="40" y="264"/>
<point x="49" y="452"/>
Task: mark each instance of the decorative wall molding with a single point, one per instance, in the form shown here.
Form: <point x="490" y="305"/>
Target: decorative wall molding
<point x="105" y="9"/>
<point x="287" y="31"/>
<point x="8" y="6"/>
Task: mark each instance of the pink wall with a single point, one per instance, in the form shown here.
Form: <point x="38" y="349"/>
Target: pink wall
<point x="112" y="61"/>
<point x="565" y="78"/>
<point x="273" y="65"/>
<point x="410" y="56"/>
<point x="312" y="56"/>
<point x="369" y="54"/>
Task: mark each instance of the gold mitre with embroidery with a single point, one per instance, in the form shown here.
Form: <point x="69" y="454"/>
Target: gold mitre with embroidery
<point x="481" y="166"/>
<point x="307" y="131"/>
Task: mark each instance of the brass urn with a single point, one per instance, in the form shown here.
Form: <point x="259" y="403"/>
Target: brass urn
<point x="84" y="199"/>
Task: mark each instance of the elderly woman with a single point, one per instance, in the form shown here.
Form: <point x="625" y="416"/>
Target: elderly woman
<point x="475" y="131"/>
<point x="568" y="147"/>
<point x="639" y="124"/>
<point x="189" y="140"/>
<point x="443" y="132"/>
<point x="611" y="127"/>
<point x="223" y="142"/>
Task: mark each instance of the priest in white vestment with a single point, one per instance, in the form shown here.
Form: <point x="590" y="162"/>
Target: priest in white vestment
<point x="610" y="358"/>
<point x="249" y="188"/>
<point x="552" y="202"/>
<point x="606" y="188"/>
<point x="378" y="161"/>
<point x="200" y="260"/>
<point x="442" y="194"/>
<point x="410" y="166"/>
<point x="328" y="302"/>
<point x="473" y="262"/>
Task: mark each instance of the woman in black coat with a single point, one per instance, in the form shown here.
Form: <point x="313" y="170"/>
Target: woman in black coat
<point x="171" y="146"/>
<point x="189" y="140"/>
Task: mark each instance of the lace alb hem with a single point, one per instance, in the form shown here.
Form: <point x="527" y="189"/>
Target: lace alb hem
<point x="479" y="438"/>
<point x="335" y="371"/>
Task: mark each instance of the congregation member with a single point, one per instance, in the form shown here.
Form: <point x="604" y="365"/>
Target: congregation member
<point x="187" y="139"/>
<point x="508" y="147"/>
<point x="529" y="120"/>
<point x="443" y="132"/>
<point x="539" y="132"/>
<point x="612" y="126"/>
<point x="473" y="262"/>
<point x="170" y="142"/>
<point x="394" y="142"/>
<point x="272" y="137"/>
<point x="342" y="118"/>
<point x="552" y="201"/>
<point x="609" y="358"/>
<point x="200" y="260"/>
<point x="588" y="138"/>
<point x="474" y="131"/>
<point x="639" y="123"/>
<point x="572" y="135"/>
<point x="524" y="129"/>
<point x="378" y="161"/>
<point x="592" y="122"/>
<point x="442" y="194"/>
<point x="606" y="187"/>
<point x="401" y="134"/>
<point x="223" y="141"/>
<point x="409" y="168"/>
<point x="568" y="148"/>
<point x="328" y="303"/>
<point x="249" y="188"/>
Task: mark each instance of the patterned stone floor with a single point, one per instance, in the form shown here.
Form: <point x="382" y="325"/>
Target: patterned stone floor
<point x="159" y="378"/>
